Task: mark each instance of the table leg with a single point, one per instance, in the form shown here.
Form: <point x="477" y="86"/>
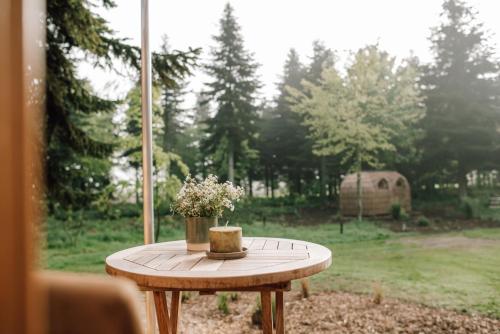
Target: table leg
<point x="175" y="310"/>
<point x="162" y="312"/>
<point x="280" y="313"/>
<point x="267" y="312"/>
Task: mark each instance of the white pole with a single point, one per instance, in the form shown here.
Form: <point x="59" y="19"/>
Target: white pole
<point x="147" y="149"/>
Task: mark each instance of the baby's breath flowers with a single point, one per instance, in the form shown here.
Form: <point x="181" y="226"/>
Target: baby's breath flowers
<point x="207" y="198"/>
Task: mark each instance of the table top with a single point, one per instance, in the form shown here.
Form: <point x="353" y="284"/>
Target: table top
<point x="169" y="265"/>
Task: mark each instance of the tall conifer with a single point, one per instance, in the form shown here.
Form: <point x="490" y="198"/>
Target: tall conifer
<point x="462" y="98"/>
<point x="292" y="149"/>
<point x="233" y="91"/>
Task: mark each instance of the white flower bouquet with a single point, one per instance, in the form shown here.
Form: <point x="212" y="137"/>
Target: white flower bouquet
<point x="207" y="198"/>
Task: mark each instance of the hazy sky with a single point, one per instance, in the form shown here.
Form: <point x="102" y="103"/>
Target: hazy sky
<point x="271" y="27"/>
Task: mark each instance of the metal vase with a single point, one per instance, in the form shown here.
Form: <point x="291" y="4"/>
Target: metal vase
<point x="197" y="232"/>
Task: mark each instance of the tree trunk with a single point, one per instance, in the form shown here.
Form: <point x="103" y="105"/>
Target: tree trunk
<point x="157" y="225"/>
<point x="338" y="183"/>
<point x="250" y="185"/>
<point x="462" y="181"/>
<point x="359" y="195"/>
<point x="322" y="178"/>
<point x="359" y="189"/>
<point x="330" y="186"/>
<point x="156" y="210"/>
<point x="137" y="185"/>
<point x="272" y="182"/>
<point x="230" y="167"/>
<point x="298" y="185"/>
<point x="266" y="180"/>
<point x="333" y="187"/>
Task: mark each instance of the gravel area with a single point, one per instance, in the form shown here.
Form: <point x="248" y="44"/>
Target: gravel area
<point x="332" y="312"/>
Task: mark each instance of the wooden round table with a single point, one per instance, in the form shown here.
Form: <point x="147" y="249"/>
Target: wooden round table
<point x="270" y="266"/>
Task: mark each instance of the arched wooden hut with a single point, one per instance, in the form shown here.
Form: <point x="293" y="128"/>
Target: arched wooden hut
<point x="379" y="191"/>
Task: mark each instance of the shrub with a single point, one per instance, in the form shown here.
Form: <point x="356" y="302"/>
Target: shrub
<point x="129" y="210"/>
<point x="468" y="210"/>
<point x="395" y="211"/>
<point x="234" y="296"/>
<point x="423" y="222"/>
<point x="185" y="296"/>
<point x="404" y="216"/>
<point x="222" y="303"/>
<point x="398" y="212"/>
<point x="470" y="207"/>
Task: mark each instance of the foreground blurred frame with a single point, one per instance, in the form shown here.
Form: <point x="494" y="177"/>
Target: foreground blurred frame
<point x="21" y="98"/>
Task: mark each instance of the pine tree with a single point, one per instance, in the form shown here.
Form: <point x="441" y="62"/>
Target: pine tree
<point x="174" y="117"/>
<point x="291" y="148"/>
<point x="198" y="164"/>
<point x="291" y="145"/>
<point x="75" y="30"/>
<point x="267" y="145"/>
<point x="462" y="98"/>
<point x="322" y="58"/>
<point x="233" y="90"/>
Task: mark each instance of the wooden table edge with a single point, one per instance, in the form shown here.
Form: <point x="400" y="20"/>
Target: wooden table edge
<point x="180" y="283"/>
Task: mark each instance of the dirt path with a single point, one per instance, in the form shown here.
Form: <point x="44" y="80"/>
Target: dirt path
<point x="331" y="312"/>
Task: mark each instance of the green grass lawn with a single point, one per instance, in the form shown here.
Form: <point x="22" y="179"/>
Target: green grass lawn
<point x="459" y="270"/>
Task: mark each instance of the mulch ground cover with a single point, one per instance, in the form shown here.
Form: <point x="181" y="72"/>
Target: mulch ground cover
<point x="333" y="312"/>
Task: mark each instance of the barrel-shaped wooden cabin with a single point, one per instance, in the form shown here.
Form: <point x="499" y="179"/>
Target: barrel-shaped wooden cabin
<point x="380" y="190"/>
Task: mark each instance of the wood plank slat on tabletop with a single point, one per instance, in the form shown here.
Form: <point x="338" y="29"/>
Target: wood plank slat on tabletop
<point x="207" y="265"/>
<point x="257" y="244"/>
<point x="172" y="262"/>
<point x="153" y="264"/>
<point x="296" y="245"/>
<point x="247" y="243"/>
<point x="284" y="245"/>
<point x="271" y="244"/>
<point x="229" y="265"/>
<point x="189" y="262"/>
<point x="145" y="259"/>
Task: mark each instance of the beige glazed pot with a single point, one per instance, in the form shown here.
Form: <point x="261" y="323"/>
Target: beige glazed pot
<point x="197" y="232"/>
